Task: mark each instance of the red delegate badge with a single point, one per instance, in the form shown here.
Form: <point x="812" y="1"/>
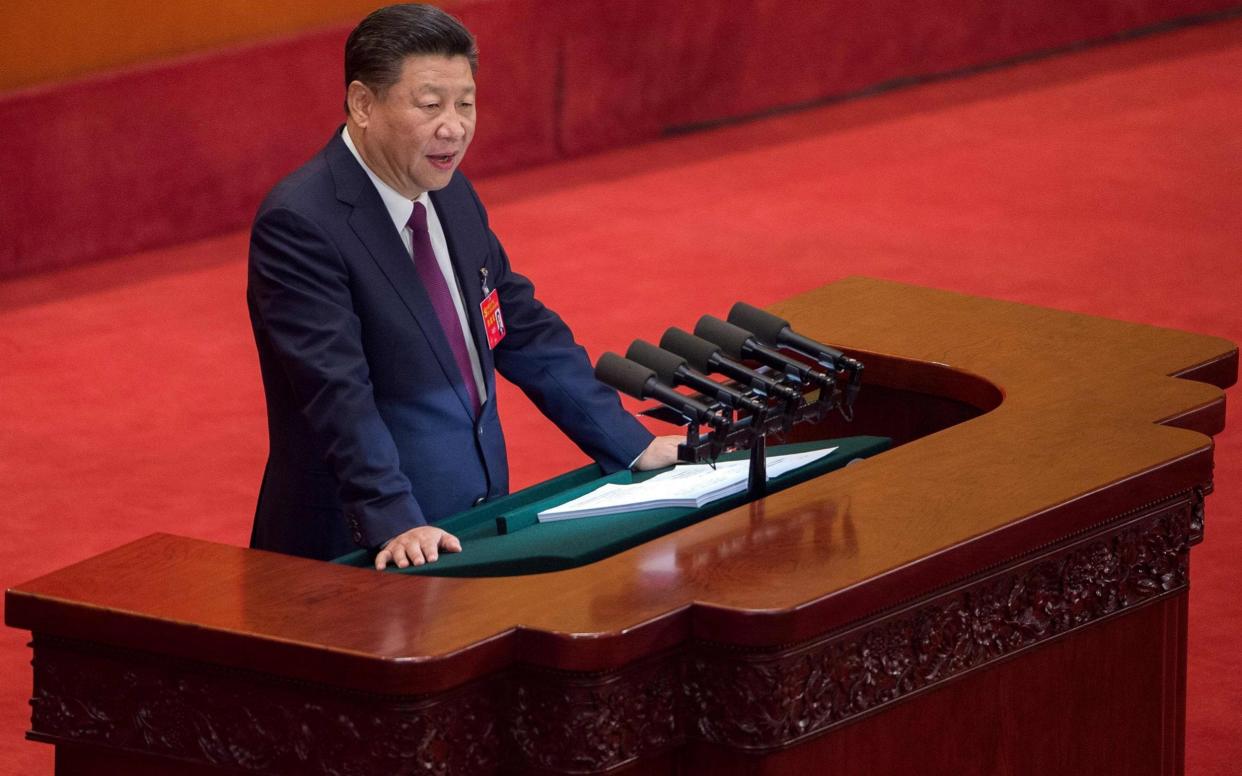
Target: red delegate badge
<point x="493" y="321"/>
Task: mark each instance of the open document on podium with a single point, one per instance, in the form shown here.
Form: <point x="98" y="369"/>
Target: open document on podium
<point x="686" y="485"/>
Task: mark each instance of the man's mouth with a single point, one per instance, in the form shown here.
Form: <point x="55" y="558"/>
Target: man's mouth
<point x="442" y="161"/>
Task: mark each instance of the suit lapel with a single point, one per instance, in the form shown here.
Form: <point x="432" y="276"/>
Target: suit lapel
<point x="374" y="228"/>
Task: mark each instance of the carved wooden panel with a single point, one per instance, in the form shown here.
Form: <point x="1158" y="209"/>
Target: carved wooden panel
<point x="569" y="723"/>
<point x="758" y="701"/>
<point x="254" y="723"/>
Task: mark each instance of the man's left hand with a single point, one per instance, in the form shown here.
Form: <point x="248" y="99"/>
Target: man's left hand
<point x="660" y="453"/>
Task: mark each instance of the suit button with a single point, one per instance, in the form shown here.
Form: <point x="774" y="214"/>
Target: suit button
<point x="357" y="536"/>
<point x="480" y="500"/>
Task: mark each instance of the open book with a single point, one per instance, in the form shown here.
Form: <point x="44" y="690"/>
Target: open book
<point x="685" y="485"/>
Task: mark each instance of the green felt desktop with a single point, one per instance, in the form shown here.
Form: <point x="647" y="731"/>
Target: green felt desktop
<point x="503" y="537"/>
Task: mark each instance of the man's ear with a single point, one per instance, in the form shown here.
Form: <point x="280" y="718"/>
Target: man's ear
<point x="360" y="100"/>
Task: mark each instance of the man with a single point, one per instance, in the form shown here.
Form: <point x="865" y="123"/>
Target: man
<point x="382" y="306"/>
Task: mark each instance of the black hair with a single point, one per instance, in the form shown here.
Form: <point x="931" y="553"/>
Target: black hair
<point x="377" y="48"/>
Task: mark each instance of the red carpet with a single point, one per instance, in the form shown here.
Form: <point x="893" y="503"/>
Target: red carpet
<point x="1107" y="182"/>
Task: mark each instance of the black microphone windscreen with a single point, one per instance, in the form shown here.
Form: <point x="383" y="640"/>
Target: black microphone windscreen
<point x="698" y="352"/>
<point x="623" y="374"/>
<point x="766" y="326"/>
<point x="663" y="363"/>
<point x="730" y="338"/>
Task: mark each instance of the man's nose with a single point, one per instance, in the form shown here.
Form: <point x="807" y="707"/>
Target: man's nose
<point x="452" y="128"/>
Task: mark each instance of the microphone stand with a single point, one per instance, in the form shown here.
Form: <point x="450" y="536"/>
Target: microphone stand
<point x="757" y="478"/>
<point x="750" y="431"/>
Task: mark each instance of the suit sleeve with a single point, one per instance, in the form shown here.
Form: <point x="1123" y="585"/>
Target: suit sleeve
<point x="302" y="310"/>
<point x="540" y="356"/>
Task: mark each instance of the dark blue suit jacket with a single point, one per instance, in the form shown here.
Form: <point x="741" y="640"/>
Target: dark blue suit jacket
<point x="369" y="422"/>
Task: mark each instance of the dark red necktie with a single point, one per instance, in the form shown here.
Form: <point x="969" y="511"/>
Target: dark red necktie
<point x="441" y="300"/>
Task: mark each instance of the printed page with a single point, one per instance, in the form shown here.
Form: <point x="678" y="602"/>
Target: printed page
<point x="685" y="485"/>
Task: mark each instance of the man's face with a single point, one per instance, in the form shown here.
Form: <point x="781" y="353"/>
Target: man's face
<point x="415" y="134"/>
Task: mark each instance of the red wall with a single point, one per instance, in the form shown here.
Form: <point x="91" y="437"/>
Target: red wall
<point x="91" y="37"/>
<point x="173" y="151"/>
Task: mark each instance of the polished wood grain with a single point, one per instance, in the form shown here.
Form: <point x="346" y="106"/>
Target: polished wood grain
<point x="1022" y="429"/>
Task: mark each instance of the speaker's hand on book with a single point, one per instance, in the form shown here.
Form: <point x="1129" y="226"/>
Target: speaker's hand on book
<point x="660" y="453"/>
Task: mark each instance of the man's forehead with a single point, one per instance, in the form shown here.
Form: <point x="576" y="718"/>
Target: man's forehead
<point x="436" y="72"/>
<point x="436" y="64"/>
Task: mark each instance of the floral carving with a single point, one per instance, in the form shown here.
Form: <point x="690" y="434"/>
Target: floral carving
<point x="569" y="724"/>
<point x="254" y="724"/>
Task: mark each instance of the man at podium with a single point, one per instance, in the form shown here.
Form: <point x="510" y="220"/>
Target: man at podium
<point x="382" y="307"/>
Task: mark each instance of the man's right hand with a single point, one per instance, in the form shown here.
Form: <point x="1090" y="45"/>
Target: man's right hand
<point x="416" y="546"/>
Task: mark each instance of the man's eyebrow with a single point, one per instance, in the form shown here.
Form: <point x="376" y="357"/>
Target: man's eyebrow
<point x="431" y="87"/>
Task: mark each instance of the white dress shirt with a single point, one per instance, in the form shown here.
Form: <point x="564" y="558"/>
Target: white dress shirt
<point x="400" y="209"/>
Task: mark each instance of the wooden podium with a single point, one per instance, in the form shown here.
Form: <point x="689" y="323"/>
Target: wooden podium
<point x="1002" y="592"/>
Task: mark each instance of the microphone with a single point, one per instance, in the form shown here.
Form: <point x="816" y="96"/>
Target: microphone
<point x="640" y="382"/>
<point x="777" y="332"/>
<point x="739" y="343"/>
<point x="672" y="369"/>
<point x="707" y="357"/>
